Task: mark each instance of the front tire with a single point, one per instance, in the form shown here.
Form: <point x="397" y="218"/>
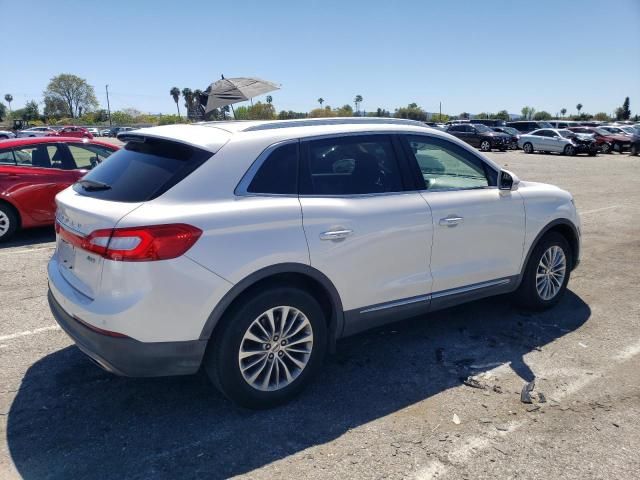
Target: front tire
<point x="606" y="147"/>
<point x="570" y="150"/>
<point x="268" y="348"/>
<point x="8" y="222"/>
<point x="485" y="146"/>
<point x="547" y="273"/>
<point x="527" y="148"/>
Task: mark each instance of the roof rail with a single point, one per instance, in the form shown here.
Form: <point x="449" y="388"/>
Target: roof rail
<point x="333" y="121"/>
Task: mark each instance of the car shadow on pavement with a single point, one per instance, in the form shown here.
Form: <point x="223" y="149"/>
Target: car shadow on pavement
<point x="72" y="420"/>
<point x="29" y="237"/>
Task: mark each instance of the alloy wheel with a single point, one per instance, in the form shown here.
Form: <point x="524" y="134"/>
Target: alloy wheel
<point x="551" y="272"/>
<point x="570" y="150"/>
<point x="528" y="148"/>
<point x="5" y="223"/>
<point x="606" y="147"/>
<point x="485" y="146"/>
<point x="276" y="348"/>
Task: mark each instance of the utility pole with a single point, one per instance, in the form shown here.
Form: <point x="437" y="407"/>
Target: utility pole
<point x="106" y="87"/>
<point x="440" y="112"/>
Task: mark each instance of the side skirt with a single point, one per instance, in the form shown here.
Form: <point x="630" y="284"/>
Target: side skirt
<point x="361" y="319"/>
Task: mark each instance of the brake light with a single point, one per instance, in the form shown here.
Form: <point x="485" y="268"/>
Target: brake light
<point x="136" y="244"/>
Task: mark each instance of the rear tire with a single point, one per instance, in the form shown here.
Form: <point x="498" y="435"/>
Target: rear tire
<point x="282" y="368"/>
<point x="543" y="270"/>
<point x="527" y="148"/>
<point x="8" y="222"/>
<point x="606" y="147"/>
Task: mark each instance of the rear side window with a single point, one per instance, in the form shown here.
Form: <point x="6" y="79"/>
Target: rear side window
<point x="352" y="165"/>
<point x="141" y="171"/>
<point x="278" y="174"/>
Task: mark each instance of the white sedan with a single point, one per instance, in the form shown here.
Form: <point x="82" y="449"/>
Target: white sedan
<point x="557" y="140"/>
<point x="36" y="132"/>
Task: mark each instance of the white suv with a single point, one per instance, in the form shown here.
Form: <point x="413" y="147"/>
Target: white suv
<point x="251" y="247"/>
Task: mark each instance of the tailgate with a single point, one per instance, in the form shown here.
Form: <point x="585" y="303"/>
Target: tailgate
<point x="78" y="216"/>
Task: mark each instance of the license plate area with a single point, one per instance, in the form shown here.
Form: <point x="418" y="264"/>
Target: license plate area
<point x="66" y="254"/>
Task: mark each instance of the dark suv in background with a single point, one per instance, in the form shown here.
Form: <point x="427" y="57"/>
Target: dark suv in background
<point x="490" y="122"/>
<point x="480" y="136"/>
<point x="528" y="126"/>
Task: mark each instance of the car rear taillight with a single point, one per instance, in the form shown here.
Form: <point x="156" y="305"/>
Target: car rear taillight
<point x="136" y="244"/>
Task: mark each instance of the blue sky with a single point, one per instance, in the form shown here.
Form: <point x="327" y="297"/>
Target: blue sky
<point x="473" y="56"/>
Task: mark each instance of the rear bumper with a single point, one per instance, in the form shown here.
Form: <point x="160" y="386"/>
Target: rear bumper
<point x="129" y="357"/>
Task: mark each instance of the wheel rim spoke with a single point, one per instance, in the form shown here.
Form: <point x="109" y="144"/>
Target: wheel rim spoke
<point x="551" y="272"/>
<point x="275" y="348"/>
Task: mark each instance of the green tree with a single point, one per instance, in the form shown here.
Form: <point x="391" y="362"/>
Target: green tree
<point x="503" y="115"/>
<point x="344" y="111"/>
<point x="321" y="101"/>
<point x="72" y="91"/>
<point x="322" y="112"/>
<point x="187" y="94"/>
<point x="601" y="117"/>
<point x="170" y="119"/>
<point x="8" y="98"/>
<point x="579" y="107"/>
<point x="357" y="101"/>
<point x="175" y="93"/>
<point x="563" y="112"/>
<point x="31" y="111"/>
<point x="3" y="111"/>
<point x="261" y="111"/>
<point x="412" y="112"/>
<point x="483" y="115"/>
<point x="269" y="99"/>
<point x="121" y="118"/>
<point x="625" y="111"/>
<point x="525" y="112"/>
<point x="542" y="115"/>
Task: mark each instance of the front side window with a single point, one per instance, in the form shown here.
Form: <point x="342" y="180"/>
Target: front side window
<point x="278" y="174"/>
<point x="446" y="166"/>
<point x="353" y="165"/>
<point x="6" y="157"/>
<point x="41" y="156"/>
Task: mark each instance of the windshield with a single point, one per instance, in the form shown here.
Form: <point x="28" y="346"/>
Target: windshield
<point x="509" y="130"/>
<point x="481" y="128"/>
<point x="602" y="131"/>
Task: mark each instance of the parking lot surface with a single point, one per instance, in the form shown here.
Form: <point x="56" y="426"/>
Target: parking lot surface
<point x="390" y="404"/>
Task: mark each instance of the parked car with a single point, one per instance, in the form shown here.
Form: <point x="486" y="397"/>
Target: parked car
<point x="563" y="123"/>
<point x="36" y="132"/>
<point x="5" y="134"/>
<point x="480" y="136"/>
<point x="528" y="126"/>
<point x="105" y="132"/>
<point x="271" y="240"/>
<point x="73" y="131"/>
<point x="490" y="122"/>
<point x="635" y="145"/>
<point x="94" y="131"/>
<point x="606" y="141"/>
<point x="114" y="131"/>
<point x="34" y="170"/>
<point x="617" y="129"/>
<point x="557" y="140"/>
<point x="513" y="134"/>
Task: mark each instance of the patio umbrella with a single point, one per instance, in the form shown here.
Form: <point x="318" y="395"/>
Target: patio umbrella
<point x="227" y="91"/>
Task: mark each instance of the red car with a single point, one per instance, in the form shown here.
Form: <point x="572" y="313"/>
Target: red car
<point x="34" y="170"/>
<point x="78" y="132"/>
<point x="606" y="141"/>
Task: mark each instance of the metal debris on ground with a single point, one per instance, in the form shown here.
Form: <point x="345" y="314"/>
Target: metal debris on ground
<point x="525" y="395"/>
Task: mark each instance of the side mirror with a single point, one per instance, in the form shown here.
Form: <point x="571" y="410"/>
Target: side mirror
<point x="507" y="180"/>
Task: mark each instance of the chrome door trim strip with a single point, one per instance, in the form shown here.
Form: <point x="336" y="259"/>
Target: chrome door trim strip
<point x="444" y="293"/>
<point x="471" y="288"/>
<point x="398" y="303"/>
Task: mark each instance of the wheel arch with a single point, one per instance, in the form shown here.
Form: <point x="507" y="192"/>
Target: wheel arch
<point x="295" y="274"/>
<point x="564" y="227"/>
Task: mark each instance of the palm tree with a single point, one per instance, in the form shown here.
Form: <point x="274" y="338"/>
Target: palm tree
<point x="579" y="107"/>
<point x="321" y="101"/>
<point x="197" y="104"/>
<point x="187" y="94"/>
<point x="175" y="93"/>
<point x="357" y="101"/>
<point x="9" y="98"/>
<point x="269" y="99"/>
<point x="563" y="112"/>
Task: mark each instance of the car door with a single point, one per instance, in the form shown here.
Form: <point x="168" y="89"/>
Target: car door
<point x="479" y="230"/>
<point x="365" y="229"/>
<point x="474" y="137"/>
<point x="555" y="142"/>
<point x="44" y="170"/>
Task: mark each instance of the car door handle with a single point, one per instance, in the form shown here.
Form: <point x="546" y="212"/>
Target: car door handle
<point x="335" y="234"/>
<point x="451" y="221"/>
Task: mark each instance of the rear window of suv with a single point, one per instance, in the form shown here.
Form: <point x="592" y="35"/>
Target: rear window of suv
<point x="141" y="171"/>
